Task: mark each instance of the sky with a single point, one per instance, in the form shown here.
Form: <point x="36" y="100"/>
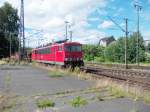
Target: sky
<point x="89" y="19"/>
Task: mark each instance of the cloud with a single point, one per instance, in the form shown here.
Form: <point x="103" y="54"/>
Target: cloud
<point x="49" y="15"/>
<point x="112" y="0"/>
<point x="15" y="3"/>
<point x="101" y="12"/>
<point x="106" y="24"/>
<point x="146" y="34"/>
<point x="54" y="22"/>
<point x="87" y="36"/>
<point x="122" y="25"/>
<point x="146" y="15"/>
<point x="38" y="11"/>
<point x="93" y="19"/>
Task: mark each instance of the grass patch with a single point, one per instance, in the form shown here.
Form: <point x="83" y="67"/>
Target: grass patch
<point x="45" y="103"/>
<point x="146" y="98"/>
<point x="118" y="93"/>
<point x="34" y="63"/>
<point x="6" y="103"/>
<point x="55" y="74"/>
<point x="77" y="70"/>
<point x="134" y="110"/>
<point x="78" y="101"/>
<point x="2" y="62"/>
<point x="64" y="92"/>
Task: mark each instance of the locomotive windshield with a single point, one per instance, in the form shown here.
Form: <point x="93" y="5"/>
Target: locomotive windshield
<point x="74" y="48"/>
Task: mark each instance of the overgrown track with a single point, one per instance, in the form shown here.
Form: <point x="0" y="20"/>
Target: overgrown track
<point x="130" y="66"/>
<point x="132" y="77"/>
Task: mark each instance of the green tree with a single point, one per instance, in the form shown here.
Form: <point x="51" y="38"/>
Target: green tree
<point x="115" y="51"/>
<point x="148" y="47"/>
<point x="8" y="25"/>
<point x="147" y="53"/>
<point x="93" y="52"/>
<point x="132" y="48"/>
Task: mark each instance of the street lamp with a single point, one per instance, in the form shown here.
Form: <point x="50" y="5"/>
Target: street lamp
<point x="70" y="31"/>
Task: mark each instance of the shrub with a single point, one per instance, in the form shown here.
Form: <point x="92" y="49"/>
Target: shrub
<point x="78" y="101"/>
<point x="99" y="59"/>
<point x="117" y="92"/>
<point x="55" y="74"/>
<point x="45" y="103"/>
<point x="146" y="98"/>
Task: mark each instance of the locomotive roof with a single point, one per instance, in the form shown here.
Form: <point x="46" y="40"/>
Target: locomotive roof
<point x="57" y="44"/>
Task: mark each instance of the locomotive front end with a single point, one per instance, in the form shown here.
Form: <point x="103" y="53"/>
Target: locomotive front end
<point x="73" y="54"/>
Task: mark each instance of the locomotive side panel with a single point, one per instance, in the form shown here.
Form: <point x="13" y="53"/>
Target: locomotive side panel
<point x="60" y="55"/>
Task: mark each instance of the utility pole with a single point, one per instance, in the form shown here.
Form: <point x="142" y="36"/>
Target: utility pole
<point x="22" y="25"/>
<point x="70" y="31"/>
<point x="126" y="38"/>
<point x="10" y="44"/>
<point x="28" y="42"/>
<point x="70" y="36"/>
<point x="138" y="9"/>
<point x="19" y="49"/>
<point x="126" y="44"/>
<point x="66" y="29"/>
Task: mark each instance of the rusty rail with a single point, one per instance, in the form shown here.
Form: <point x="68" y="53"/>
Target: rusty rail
<point x="136" y="77"/>
<point x="130" y="66"/>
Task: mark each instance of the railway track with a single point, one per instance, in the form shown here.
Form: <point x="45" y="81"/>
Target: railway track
<point x="121" y="66"/>
<point x="138" y="78"/>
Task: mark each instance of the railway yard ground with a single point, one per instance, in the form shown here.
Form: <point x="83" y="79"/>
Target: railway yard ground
<point x="28" y="88"/>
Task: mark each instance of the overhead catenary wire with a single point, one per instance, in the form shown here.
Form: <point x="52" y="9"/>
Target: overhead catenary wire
<point x="116" y="24"/>
<point x="126" y="37"/>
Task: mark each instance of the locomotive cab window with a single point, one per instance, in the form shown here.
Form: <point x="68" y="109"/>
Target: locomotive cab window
<point x="59" y="48"/>
<point x="33" y="52"/>
<point x="36" y="52"/>
<point x="74" y="48"/>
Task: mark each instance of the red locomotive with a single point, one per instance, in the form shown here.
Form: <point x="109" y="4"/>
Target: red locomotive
<point x="60" y="53"/>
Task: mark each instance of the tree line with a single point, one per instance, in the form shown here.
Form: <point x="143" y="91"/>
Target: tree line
<point x="115" y="52"/>
<point x="9" y="28"/>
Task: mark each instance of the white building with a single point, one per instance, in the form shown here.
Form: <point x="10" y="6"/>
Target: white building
<point x="106" y="41"/>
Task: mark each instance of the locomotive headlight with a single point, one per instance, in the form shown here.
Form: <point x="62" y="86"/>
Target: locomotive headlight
<point x="66" y="59"/>
<point x="77" y="59"/>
